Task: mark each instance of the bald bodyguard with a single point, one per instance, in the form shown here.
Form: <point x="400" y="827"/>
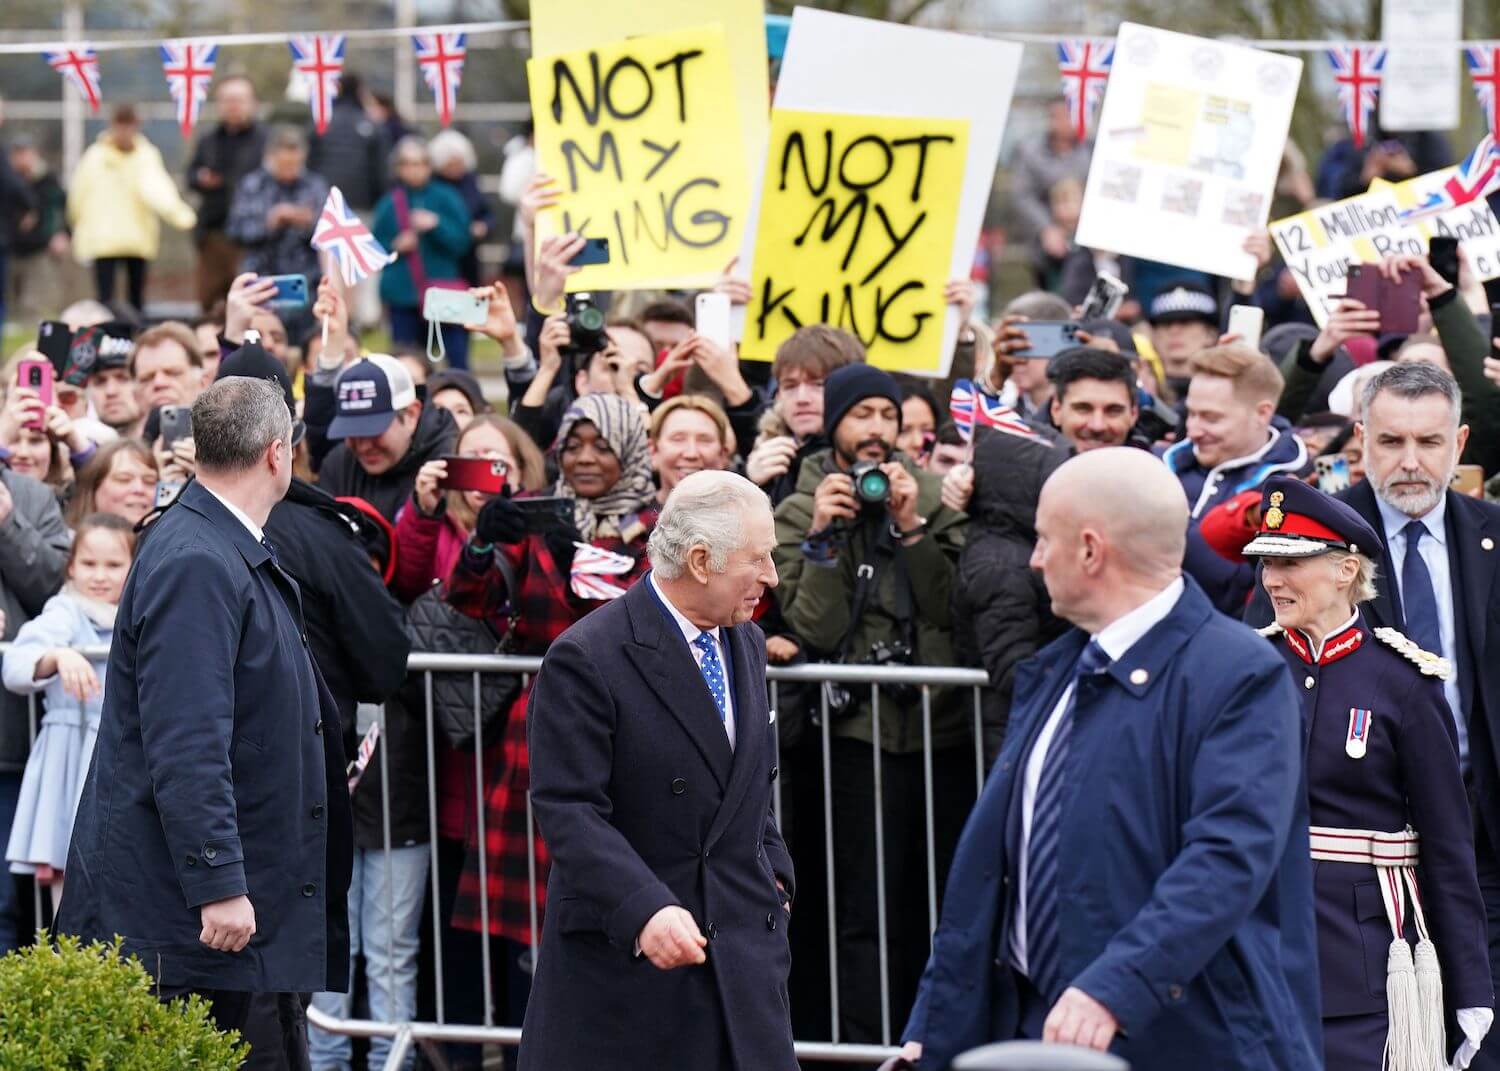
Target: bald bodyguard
<point x="1135" y="877"/>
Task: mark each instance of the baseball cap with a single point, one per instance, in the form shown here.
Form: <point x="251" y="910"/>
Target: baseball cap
<point x="369" y="395"/>
<point x="96" y="348"/>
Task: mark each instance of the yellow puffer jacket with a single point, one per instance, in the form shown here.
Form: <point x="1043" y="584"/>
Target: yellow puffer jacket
<point x="116" y="198"/>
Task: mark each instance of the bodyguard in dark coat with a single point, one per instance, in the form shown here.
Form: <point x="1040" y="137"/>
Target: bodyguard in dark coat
<point x="1387" y="801"/>
<point x="651" y="774"/>
<point x="1135" y="875"/>
<point x="219" y="773"/>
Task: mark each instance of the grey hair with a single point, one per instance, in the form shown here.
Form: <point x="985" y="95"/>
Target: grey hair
<point x="450" y="144"/>
<point x="236" y="420"/>
<point x="1039" y="305"/>
<point x="707" y="509"/>
<point x="286" y="137"/>
<point x="410" y="143"/>
<point x="1411" y="380"/>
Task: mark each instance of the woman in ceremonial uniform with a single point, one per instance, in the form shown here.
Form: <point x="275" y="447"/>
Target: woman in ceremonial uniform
<point x="1401" y="926"/>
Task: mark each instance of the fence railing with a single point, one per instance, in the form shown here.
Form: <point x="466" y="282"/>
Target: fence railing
<point x="432" y="1036"/>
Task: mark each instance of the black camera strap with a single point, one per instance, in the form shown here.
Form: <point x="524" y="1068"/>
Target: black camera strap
<point x="882" y="548"/>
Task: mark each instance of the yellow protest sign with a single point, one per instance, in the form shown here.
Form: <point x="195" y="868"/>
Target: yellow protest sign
<point x="559" y="26"/>
<point x="643" y="138"/>
<point x="856" y="228"/>
<point x="1474" y="225"/>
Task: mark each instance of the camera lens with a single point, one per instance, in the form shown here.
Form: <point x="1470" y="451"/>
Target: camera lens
<point x="590" y="318"/>
<point x="871" y="485"/>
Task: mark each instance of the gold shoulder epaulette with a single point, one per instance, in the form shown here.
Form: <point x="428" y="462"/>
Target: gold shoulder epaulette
<point x="1431" y="664"/>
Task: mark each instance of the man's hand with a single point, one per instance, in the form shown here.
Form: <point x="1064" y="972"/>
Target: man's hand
<point x="551" y="271"/>
<point x="722" y="367"/>
<point x="554" y="336"/>
<point x="671" y="939"/>
<point x="500" y="319"/>
<point x="1398" y="264"/>
<point x="736" y="286"/>
<point x="902" y="505"/>
<point x="911" y="1051"/>
<point x="1010" y="340"/>
<point x="678" y="360"/>
<point x="958" y="487"/>
<point x="247" y="294"/>
<point x="770" y="459"/>
<point x="779" y="651"/>
<point x="833" y="501"/>
<point x="1350" y="319"/>
<point x="228" y="924"/>
<point x="1079" y="1019"/>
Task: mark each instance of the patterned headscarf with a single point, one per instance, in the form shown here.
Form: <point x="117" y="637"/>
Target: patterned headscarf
<point x="619" y="424"/>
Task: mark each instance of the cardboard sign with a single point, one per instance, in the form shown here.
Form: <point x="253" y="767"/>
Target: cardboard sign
<point x="856" y="228"/>
<point x="1419" y="84"/>
<point x="559" y="26"/>
<point x="644" y="138"/>
<point x="1474" y="225"/>
<point x="1319" y="245"/>
<point x="840" y="63"/>
<point x="1190" y="139"/>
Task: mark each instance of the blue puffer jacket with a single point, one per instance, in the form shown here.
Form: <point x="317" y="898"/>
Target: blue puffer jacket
<point x="1228" y="584"/>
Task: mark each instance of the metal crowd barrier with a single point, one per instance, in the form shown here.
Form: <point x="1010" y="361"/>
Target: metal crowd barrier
<point x="431" y="1036"/>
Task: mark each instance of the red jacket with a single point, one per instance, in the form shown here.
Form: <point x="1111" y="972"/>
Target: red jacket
<point x="428" y="549"/>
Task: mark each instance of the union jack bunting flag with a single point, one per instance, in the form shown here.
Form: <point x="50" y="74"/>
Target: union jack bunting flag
<point x="1484" y="71"/>
<point x="341" y="233"/>
<point x="441" y="57"/>
<point x="319" y="62"/>
<point x="189" y="67"/>
<point x="79" y="66"/>
<point x="1357" y="72"/>
<point x="1084" y="66"/>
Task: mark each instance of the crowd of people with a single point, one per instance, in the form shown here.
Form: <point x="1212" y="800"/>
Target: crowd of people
<point x="902" y="537"/>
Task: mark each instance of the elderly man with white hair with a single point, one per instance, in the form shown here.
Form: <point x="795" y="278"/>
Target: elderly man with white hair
<point x="1135" y="876"/>
<point x="653" y="753"/>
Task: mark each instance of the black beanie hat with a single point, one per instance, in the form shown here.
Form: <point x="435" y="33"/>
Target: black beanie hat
<point x="852" y="384"/>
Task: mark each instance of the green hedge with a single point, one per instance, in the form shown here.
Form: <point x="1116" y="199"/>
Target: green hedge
<point x="66" y="1007"/>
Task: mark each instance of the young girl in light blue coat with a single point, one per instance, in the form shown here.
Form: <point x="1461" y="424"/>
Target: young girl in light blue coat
<point x="44" y="658"/>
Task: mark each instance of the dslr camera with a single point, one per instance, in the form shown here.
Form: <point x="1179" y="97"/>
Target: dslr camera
<point x="871" y="485"/>
<point x="586" y="335"/>
<point x="841" y="698"/>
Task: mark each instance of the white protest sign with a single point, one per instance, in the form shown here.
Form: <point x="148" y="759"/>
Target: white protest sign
<point x="1473" y="224"/>
<point x="1319" y="245"/>
<point x="1419" y="85"/>
<point x="840" y="63"/>
<point x="1190" y="139"/>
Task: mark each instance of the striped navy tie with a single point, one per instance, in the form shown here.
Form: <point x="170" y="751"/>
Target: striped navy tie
<point x="1041" y="853"/>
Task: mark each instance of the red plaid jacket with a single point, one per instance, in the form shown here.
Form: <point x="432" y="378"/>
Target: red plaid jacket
<point x="543" y="608"/>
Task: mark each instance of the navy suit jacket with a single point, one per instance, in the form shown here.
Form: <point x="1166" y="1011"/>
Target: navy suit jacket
<point x="644" y="805"/>
<point x="218" y="772"/>
<point x="1186" y="886"/>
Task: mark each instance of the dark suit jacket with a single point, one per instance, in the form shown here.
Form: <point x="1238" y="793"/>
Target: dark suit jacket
<point x="644" y="805"/>
<point x="218" y="771"/>
<point x="1474" y="564"/>
<point x="1185" y="903"/>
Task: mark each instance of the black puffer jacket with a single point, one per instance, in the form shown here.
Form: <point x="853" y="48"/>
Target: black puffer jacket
<point x="1001" y="613"/>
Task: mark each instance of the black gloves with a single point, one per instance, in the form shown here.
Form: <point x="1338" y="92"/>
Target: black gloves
<point x="500" y="521"/>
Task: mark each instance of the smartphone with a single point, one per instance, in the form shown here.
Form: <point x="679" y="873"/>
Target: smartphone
<point x="594" y="251"/>
<point x="1468" y="480"/>
<point x="1333" y="473"/>
<point x="546" y="514"/>
<point x="176" y="423"/>
<point x="712" y="318"/>
<point x="1104" y="298"/>
<point x="1442" y="254"/>
<point x="1048" y="338"/>
<point x="291" y="292"/>
<point x="38" y="376"/>
<point x="482" y="474"/>
<point x="442" y="306"/>
<point x="1399" y="303"/>
<point x="1246" y="321"/>
<point x="53" y="337"/>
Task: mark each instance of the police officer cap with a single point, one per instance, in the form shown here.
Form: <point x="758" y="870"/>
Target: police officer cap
<point x="1299" y="521"/>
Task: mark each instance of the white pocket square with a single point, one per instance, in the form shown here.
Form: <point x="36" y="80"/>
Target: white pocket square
<point x="773" y="716"/>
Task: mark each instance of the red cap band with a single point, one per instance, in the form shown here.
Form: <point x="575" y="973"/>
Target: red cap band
<point x="1300" y="524"/>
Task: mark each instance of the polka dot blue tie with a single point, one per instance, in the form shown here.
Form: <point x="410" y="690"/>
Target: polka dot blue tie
<point x="712" y="670"/>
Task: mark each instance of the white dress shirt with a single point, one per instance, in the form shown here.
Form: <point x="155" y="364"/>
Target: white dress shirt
<point x="1116" y="638"/>
<point x="1434" y="551"/>
<point x="690" y="633"/>
<point x="242" y="516"/>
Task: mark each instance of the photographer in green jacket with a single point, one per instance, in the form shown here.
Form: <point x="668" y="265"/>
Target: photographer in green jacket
<point x="867" y="556"/>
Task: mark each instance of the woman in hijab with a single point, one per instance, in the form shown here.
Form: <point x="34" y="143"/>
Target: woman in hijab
<point x="531" y="568"/>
